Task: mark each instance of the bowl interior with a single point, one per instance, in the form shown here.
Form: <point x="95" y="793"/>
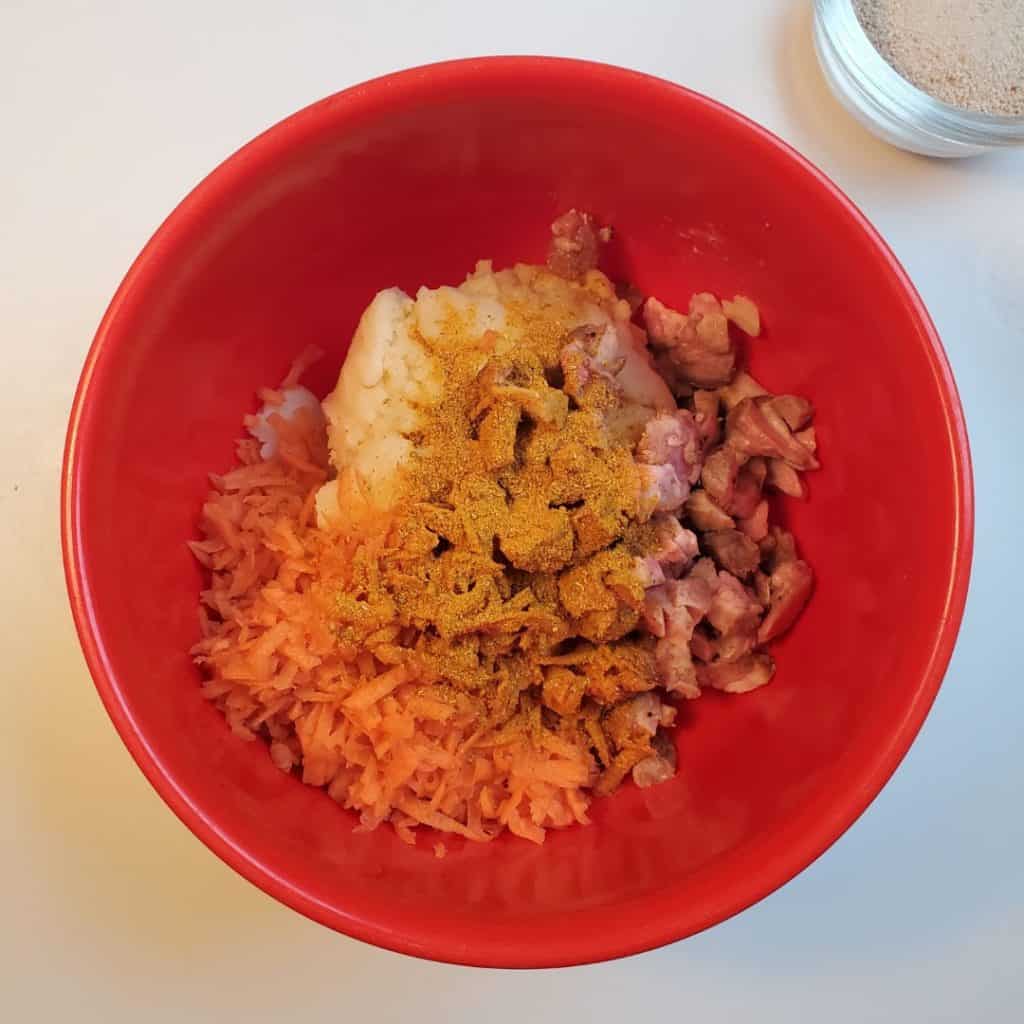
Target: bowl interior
<point x="408" y="182"/>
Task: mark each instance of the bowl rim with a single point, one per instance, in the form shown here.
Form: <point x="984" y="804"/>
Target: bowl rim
<point x="627" y="934"/>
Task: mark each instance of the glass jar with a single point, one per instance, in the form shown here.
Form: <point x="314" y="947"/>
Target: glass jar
<point x="890" y="106"/>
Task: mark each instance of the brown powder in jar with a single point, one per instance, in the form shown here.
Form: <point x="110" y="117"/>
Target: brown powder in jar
<point x="967" y="53"/>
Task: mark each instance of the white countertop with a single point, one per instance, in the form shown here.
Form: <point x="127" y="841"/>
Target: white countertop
<point x="112" y="910"/>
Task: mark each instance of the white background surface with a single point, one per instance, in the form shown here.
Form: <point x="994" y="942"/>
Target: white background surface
<point x="112" y="911"/>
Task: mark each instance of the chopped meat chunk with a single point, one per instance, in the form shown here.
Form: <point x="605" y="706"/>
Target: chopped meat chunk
<point x="634" y="721"/>
<point x="674" y="544"/>
<point x="746" y="495"/>
<point x="649" y="571"/>
<point x="783" y="477"/>
<point x="671" y="612"/>
<point x="659" y="767"/>
<point x="577" y="360"/>
<point x="762" y="588"/>
<point x="669" y="453"/>
<point x="790" y="586"/>
<point x="694" y="591"/>
<point x="721" y="468"/>
<point x="704" y="514"/>
<point x="797" y="412"/>
<point x="744" y="314"/>
<point x="733" y="609"/>
<point x="661" y="490"/>
<point x="777" y="548"/>
<point x="740" y="676"/>
<point x="705" y="415"/>
<point x="735" y="645"/>
<point x="733" y="482"/>
<point x="702" y="647"/>
<point x="706" y="570"/>
<point x="808" y="438"/>
<point x="614" y="357"/>
<point x="740" y="387"/>
<point x="575" y="245"/>
<point x="697" y="343"/>
<point x="755" y="427"/>
<point x="672" y="439"/>
<point x="755" y="526"/>
<point x="734" y="551"/>
<point x="674" y="547"/>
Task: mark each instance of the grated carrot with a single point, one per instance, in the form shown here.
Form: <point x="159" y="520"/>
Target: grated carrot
<point x="335" y="716"/>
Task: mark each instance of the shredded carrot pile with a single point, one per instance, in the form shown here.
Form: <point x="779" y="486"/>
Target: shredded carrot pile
<point x="383" y="743"/>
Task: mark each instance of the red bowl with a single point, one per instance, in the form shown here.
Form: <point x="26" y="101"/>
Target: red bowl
<point x="408" y="180"/>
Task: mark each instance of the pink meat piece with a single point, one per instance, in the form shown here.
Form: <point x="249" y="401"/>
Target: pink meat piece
<point x="808" y="438"/>
<point x="733" y="609"/>
<point x="645" y="713"/>
<point x="734" y="646"/>
<point x="746" y="494"/>
<point x="617" y="354"/>
<point x="649" y="572"/>
<point x="697" y="343"/>
<point x="669" y="457"/>
<point x="755" y="526"/>
<point x="673" y="658"/>
<point x="784" y="478"/>
<point x="675" y="547"/>
<point x="718" y="475"/>
<point x="661" y="490"/>
<point x="733" y="550"/>
<point x="740" y="387"/>
<point x="735" y="613"/>
<point x="659" y="767"/>
<point x="704" y="514"/>
<point x="740" y="676"/>
<point x="777" y="548"/>
<point x="755" y="427"/>
<point x="706" y="570"/>
<point x="733" y="481"/>
<point x="796" y="411"/>
<point x="672" y="438"/>
<point x="692" y="592"/>
<point x="762" y="588"/>
<point x="702" y="647"/>
<point x="790" y="586"/>
<point x="705" y="415"/>
<point x="575" y="245"/>
<point x="671" y="612"/>
<point x="635" y="723"/>
<point x="577" y="359"/>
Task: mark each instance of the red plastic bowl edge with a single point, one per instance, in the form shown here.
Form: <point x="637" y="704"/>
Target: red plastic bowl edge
<point x="656" y="931"/>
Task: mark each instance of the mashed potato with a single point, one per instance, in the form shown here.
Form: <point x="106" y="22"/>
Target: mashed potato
<point x="392" y="370"/>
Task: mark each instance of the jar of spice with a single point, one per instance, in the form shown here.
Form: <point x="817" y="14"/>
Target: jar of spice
<point x="937" y="77"/>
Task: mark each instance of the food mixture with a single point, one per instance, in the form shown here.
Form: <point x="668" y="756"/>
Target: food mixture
<point x="468" y="589"/>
